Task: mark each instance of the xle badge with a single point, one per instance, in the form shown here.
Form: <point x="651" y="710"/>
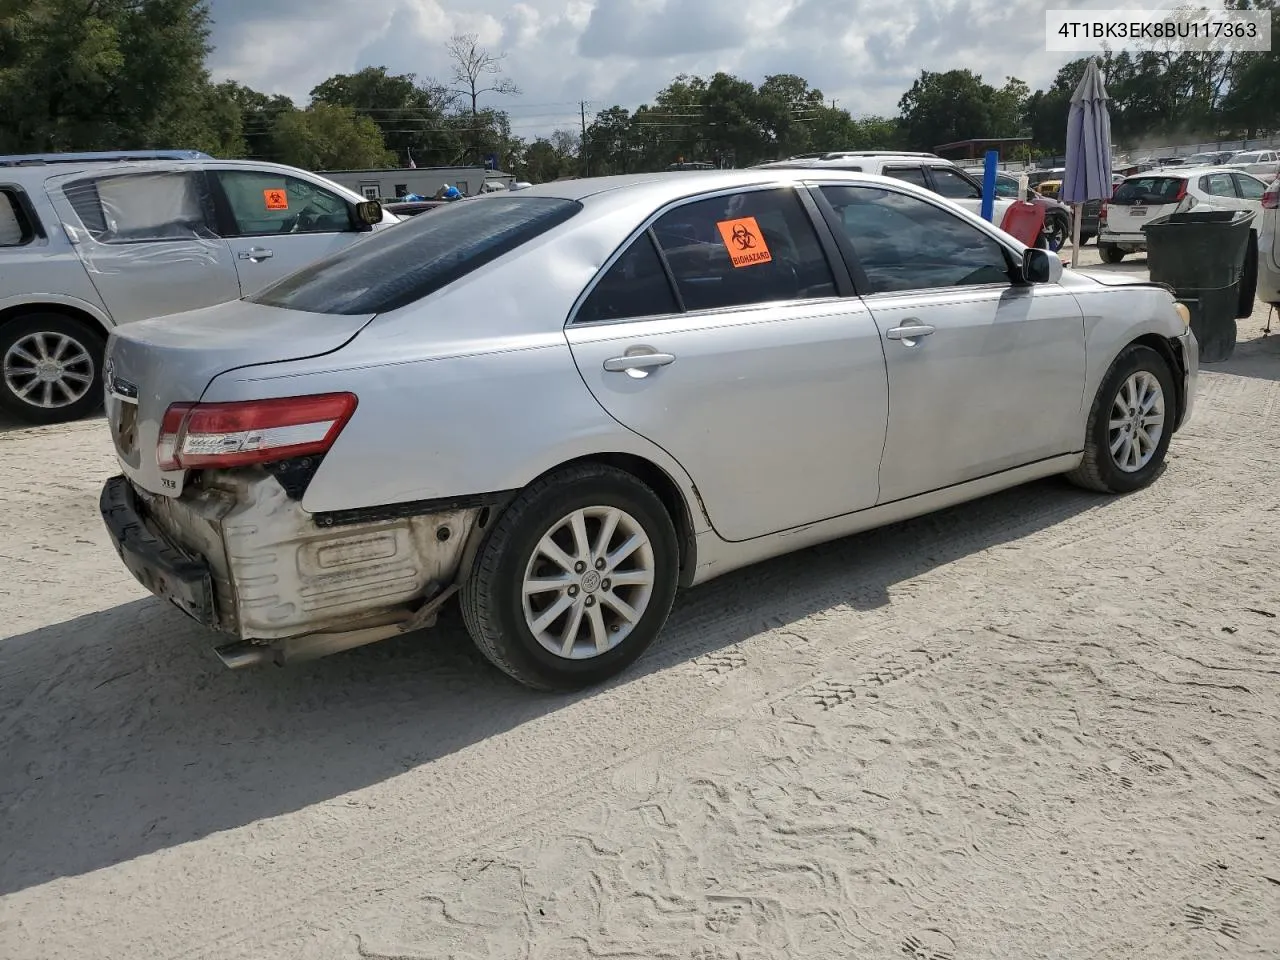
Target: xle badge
<point x="744" y="241"/>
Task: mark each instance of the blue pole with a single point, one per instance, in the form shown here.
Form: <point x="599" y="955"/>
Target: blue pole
<point x="989" y="187"/>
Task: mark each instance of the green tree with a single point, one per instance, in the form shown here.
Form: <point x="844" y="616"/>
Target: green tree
<point x="956" y="105"/>
<point x="410" y="114"/>
<point x="108" y="74"/>
<point x="610" y="145"/>
<point x="258" y="115"/>
<point x="327" y="137"/>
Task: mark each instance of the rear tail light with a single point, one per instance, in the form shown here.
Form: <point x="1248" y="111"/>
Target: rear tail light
<point x="194" y="435"/>
<point x="1271" y="196"/>
<point x="1102" y="212"/>
<point x="1182" y="191"/>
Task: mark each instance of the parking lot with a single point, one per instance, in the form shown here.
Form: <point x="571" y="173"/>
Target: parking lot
<point x="1045" y="724"/>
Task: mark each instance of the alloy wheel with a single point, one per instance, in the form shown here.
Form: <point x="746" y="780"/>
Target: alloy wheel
<point x="48" y="370"/>
<point x="1137" y="421"/>
<point x="588" y="582"/>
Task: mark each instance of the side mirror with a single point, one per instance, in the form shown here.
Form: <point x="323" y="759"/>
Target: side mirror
<point x="368" y="212"/>
<point x="1040" y="266"/>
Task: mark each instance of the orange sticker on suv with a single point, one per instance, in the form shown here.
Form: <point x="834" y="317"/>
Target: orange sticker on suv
<point x="744" y="241"/>
<point x="276" y="199"/>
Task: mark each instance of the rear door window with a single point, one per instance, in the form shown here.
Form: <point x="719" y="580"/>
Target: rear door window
<point x="397" y="266"/>
<point x="144" y="207"/>
<point x="15" y="228"/>
<point x="954" y="185"/>
<point x="635" y="286"/>
<point x="757" y="246"/>
<point x="1147" y="191"/>
<point x="1218" y="185"/>
<point x="1249" y="187"/>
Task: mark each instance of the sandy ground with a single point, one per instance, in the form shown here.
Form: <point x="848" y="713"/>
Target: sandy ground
<point x="1043" y="725"/>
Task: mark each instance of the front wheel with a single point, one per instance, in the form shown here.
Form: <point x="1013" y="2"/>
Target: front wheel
<point x="50" y="368"/>
<point x="1057" y="230"/>
<point x="1130" y="424"/>
<point x="575" y="580"/>
<point x="1110" y="253"/>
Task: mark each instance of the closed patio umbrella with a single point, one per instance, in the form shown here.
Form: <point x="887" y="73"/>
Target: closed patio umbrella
<point x="1088" y="175"/>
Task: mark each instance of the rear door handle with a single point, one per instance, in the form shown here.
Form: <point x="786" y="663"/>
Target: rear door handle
<point x="255" y="254"/>
<point x="638" y="362"/>
<point x="910" y="332"/>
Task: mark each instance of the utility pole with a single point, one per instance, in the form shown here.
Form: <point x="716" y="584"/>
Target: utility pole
<point x="833" y="103"/>
<point x="586" y="158"/>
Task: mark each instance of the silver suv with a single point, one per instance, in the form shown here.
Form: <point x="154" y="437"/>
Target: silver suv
<point x="927" y="170"/>
<point x="89" y="241"/>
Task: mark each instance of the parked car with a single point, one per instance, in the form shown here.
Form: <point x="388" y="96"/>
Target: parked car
<point x="411" y="208"/>
<point x="1269" y="247"/>
<point x="926" y="170"/>
<point x="1211" y="158"/>
<point x="88" y="246"/>
<point x="563" y="403"/>
<point x="1145" y="197"/>
<point x="1261" y="163"/>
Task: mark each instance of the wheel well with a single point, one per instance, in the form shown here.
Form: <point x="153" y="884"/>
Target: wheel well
<point x="1172" y="356"/>
<point x="71" y="313"/>
<point x="658" y="480"/>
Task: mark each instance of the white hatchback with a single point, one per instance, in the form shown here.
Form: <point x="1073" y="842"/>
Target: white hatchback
<point x="1144" y="197"/>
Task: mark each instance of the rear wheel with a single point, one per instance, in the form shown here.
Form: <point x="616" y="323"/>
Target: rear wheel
<point x="50" y="368"/>
<point x="575" y="580"/>
<point x="1110" y="253"/>
<point x="1248" y="278"/>
<point x="1130" y="424"/>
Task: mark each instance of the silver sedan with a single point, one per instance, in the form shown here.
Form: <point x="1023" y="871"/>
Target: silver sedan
<point x="562" y="404"/>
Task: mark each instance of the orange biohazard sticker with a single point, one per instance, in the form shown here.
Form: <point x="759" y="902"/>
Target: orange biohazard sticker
<point x="276" y="199"/>
<point x="744" y="241"/>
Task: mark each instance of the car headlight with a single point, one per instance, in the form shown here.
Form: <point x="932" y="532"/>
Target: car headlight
<point x="1184" y="313"/>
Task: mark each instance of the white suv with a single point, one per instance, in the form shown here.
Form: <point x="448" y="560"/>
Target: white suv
<point x="927" y="170"/>
<point x="1144" y="197"/>
<point x="87" y="243"/>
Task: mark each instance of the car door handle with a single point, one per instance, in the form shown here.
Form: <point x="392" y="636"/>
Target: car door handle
<point x="255" y="254"/>
<point x="638" y="361"/>
<point x="910" y="331"/>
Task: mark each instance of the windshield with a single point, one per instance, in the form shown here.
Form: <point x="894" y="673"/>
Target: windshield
<point x="1246" y="157"/>
<point x="1148" y="190"/>
<point x="400" y="264"/>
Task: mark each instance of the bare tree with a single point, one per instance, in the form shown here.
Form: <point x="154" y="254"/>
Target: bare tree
<point x="473" y="66"/>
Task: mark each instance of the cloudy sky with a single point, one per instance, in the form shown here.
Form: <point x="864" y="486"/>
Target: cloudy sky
<point x="863" y="53"/>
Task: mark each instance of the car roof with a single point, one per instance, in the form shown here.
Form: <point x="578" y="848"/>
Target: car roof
<point x="676" y="184"/>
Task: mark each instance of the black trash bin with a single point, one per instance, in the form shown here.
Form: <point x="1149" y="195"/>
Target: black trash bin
<point x="1202" y="255"/>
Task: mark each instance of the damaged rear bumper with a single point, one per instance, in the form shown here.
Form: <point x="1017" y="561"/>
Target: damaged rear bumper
<point x="243" y="558"/>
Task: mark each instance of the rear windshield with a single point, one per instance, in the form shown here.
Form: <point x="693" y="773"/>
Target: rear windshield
<point x="1155" y="190"/>
<point x="397" y="265"/>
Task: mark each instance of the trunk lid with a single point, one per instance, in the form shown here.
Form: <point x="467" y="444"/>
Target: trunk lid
<point x="151" y="364"/>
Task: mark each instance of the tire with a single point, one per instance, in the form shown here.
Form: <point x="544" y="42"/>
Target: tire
<point x="1101" y="470"/>
<point x="76" y="394"/>
<point x="1057" y="232"/>
<point x="1248" y="279"/>
<point x="493" y="599"/>
<point x="1110" y="252"/>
